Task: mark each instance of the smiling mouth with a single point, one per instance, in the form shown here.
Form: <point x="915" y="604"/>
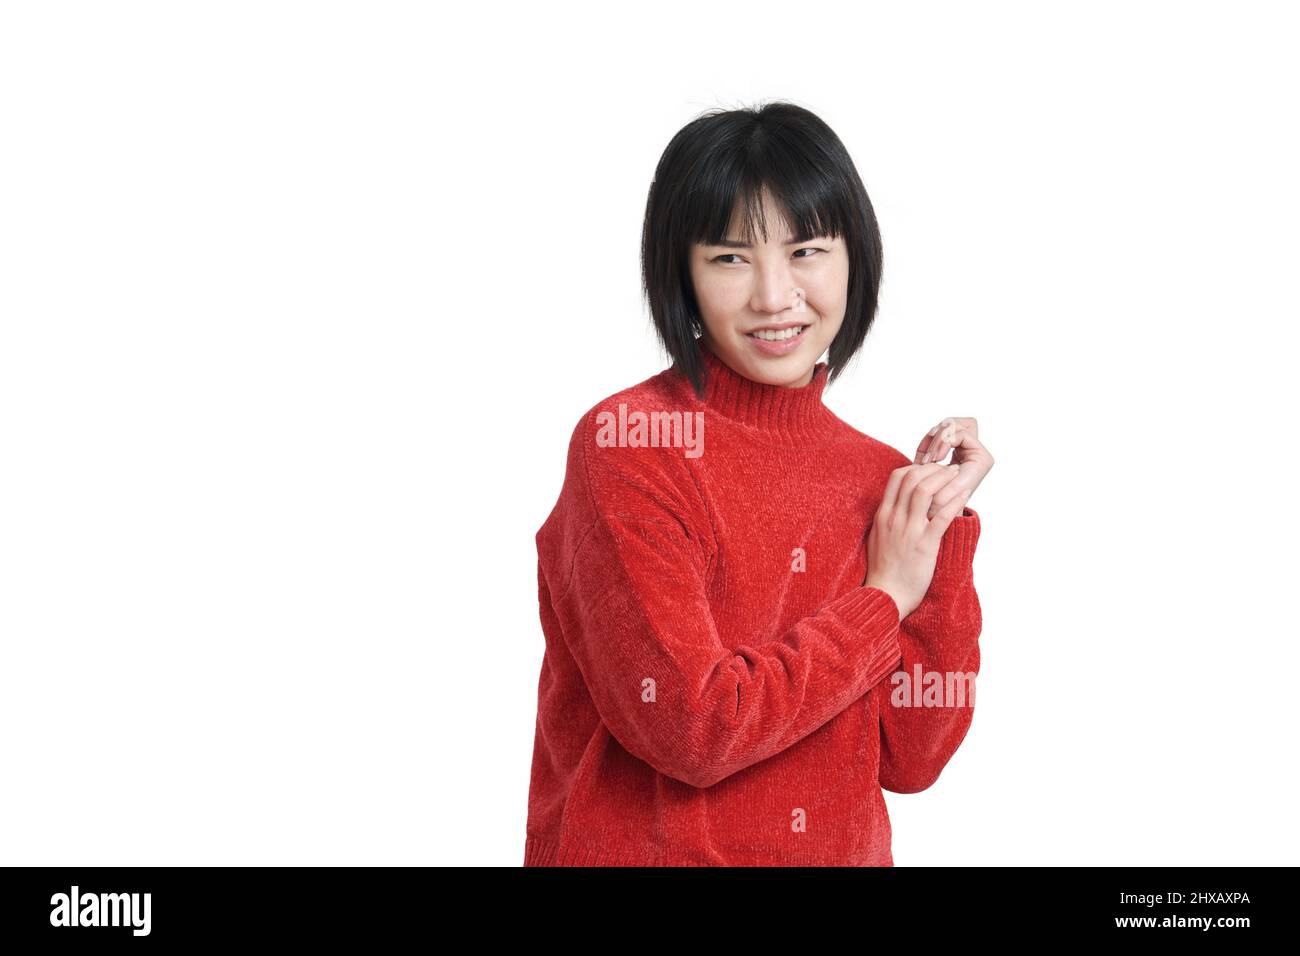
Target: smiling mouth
<point x="773" y="335"/>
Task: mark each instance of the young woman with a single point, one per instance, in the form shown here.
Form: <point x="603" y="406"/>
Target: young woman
<point x="749" y="636"/>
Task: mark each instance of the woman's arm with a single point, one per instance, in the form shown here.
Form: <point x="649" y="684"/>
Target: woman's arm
<point x="626" y="557"/>
<point x="942" y="637"/>
<point x="639" y="626"/>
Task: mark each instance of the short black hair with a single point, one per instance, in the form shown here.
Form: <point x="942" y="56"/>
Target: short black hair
<point x="723" y="155"/>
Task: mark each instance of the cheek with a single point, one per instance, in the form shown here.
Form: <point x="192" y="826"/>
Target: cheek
<point x="720" y="293"/>
<point x="826" y="291"/>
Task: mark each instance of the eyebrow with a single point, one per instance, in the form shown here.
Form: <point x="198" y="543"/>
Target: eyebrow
<point x="733" y="244"/>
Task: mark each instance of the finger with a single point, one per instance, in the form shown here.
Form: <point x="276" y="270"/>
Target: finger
<point x="975" y="449"/>
<point x="965" y="424"/>
<point x="922" y="501"/>
<point x="914" y="474"/>
<point x="926" y="441"/>
<point x="910" y="477"/>
<point x="943" y="518"/>
<point x="889" y="500"/>
<point x="923" y="494"/>
<point x="951" y="490"/>
<point x="972" y="449"/>
<point x="947" y="436"/>
<point x="938" y="450"/>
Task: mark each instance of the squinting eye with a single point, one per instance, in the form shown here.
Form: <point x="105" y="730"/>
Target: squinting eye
<point x="732" y="255"/>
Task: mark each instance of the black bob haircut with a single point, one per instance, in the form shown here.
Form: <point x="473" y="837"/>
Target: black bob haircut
<point x="724" y="156"/>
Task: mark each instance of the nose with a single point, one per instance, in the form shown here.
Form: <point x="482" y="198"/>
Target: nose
<point x="775" y="290"/>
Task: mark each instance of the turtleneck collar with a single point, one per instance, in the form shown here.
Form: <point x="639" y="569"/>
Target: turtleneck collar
<point x="776" y="410"/>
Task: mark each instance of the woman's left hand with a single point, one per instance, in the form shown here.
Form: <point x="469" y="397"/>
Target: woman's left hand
<point x="961" y="437"/>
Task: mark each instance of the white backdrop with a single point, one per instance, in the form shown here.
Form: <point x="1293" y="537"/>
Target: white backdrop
<point x="301" y="302"/>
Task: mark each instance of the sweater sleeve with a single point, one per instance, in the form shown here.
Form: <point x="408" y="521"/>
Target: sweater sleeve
<point x="635" y="615"/>
<point x="940" y="636"/>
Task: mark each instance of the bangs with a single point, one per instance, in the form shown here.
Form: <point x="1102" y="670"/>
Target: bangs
<point x="812" y="203"/>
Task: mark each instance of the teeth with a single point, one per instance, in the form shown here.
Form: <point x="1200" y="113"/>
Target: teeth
<point x="772" y="336"/>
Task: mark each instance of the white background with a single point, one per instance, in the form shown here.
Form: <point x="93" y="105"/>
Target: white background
<point x="301" y="302"/>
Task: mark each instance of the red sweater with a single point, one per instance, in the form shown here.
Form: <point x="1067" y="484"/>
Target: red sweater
<point x="716" y="686"/>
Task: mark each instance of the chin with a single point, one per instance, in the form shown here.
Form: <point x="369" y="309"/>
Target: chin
<point x="783" y="370"/>
<point x="738" y="351"/>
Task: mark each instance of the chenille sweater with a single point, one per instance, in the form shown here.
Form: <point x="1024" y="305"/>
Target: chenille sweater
<point x="718" y="687"/>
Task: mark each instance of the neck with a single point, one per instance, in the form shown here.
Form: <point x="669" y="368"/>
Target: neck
<point x="795" y="412"/>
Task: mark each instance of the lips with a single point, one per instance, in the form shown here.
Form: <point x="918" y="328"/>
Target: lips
<point x="777" y="333"/>
<point x="778" y="341"/>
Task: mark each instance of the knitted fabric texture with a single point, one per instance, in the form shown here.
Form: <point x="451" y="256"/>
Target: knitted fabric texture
<point x="718" y="688"/>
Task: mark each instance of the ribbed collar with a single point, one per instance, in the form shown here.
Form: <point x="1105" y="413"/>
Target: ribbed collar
<point x="777" y="411"/>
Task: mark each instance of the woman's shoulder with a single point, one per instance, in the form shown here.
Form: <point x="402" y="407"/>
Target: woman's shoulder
<point x="649" y="419"/>
<point x="630" y="453"/>
<point x="662" y="394"/>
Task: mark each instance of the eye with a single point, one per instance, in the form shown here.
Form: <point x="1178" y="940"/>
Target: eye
<point x="732" y="255"/>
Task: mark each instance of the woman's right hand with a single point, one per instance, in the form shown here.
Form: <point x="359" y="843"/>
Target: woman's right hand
<point x="903" y="544"/>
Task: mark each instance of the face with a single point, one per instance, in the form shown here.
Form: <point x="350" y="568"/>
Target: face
<point x="752" y="297"/>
